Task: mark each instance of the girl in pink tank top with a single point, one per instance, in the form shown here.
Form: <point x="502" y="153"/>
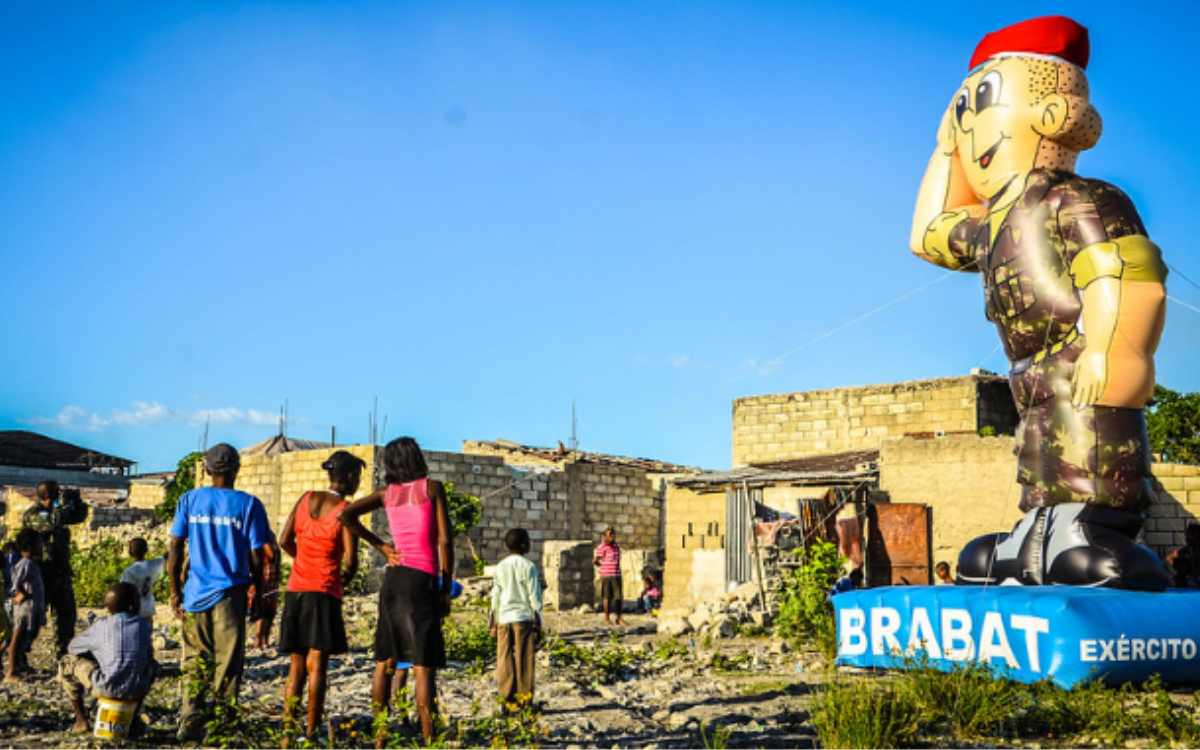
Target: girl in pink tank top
<point x="414" y="529"/>
<point x="415" y="595"/>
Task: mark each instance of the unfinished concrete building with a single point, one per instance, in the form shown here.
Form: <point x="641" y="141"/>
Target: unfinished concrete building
<point x="940" y="450"/>
<point x="104" y="481"/>
<point x="563" y="498"/>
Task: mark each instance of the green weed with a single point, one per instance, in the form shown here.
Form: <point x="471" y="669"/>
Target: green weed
<point x="972" y="705"/>
<point x="866" y="715"/>
<point x="516" y="724"/>
<point x="805" y="612"/>
<point x="670" y="649"/>
<point x="731" y="663"/>
<point x="714" y="736"/>
<point x="469" y="640"/>
<point x="971" y="702"/>
<point x="595" y="663"/>
<point x="99" y="566"/>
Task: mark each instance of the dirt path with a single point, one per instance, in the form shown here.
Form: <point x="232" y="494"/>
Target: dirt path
<point x="734" y="692"/>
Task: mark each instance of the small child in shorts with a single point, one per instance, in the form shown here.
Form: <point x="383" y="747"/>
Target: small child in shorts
<point x="28" y="603"/>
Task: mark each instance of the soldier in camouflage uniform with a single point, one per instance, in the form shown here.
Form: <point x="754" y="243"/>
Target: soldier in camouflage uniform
<point x="1075" y="289"/>
<point x="50" y="517"/>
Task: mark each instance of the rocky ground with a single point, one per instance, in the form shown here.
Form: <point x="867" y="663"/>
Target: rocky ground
<point x="640" y="688"/>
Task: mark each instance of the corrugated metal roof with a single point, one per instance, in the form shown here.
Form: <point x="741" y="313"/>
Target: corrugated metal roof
<point x="273" y="446"/>
<point x="836" y="462"/>
<point x="847" y="468"/>
<point x="37" y="451"/>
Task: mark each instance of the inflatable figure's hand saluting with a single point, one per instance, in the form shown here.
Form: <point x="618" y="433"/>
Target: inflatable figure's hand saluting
<point x="1072" y="282"/>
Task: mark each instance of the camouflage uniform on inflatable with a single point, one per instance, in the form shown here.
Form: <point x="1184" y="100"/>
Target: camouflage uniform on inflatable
<point x="1075" y="289"/>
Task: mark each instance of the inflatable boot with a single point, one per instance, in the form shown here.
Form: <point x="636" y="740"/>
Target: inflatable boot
<point x="1078" y="544"/>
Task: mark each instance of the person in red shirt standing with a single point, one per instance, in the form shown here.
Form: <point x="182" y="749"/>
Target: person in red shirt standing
<point x="326" y="559"/>
<point x="608" y="559"/>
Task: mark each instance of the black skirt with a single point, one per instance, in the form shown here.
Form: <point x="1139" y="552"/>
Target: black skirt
<point x="312" y="620"/>
<point x="410" y="621"/>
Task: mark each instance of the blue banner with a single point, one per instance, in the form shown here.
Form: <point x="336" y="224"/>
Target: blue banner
<point x="1031" y="633"/>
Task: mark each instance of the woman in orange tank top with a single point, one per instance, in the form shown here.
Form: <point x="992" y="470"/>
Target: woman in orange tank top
<point x="325" y="558"/>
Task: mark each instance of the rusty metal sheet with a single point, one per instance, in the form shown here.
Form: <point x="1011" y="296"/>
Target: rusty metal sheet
<point x="898" y="549"/>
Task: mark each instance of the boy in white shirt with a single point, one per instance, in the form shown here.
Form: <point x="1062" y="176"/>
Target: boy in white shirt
<point x="516" y="619"/>
<point x="143" y="574"/>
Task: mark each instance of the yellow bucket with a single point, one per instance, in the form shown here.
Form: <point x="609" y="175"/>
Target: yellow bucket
<point x="113" y="718"/>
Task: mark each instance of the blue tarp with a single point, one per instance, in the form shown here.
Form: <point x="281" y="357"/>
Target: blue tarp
<point x="1030" y="633"/>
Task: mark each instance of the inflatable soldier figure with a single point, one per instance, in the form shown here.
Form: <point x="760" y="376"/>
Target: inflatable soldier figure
<point x="1076" y="291"/>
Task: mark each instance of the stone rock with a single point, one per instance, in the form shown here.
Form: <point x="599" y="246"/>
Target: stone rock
<point x="476" y="587"/>
<point x="739" y="612"/>
<point x="759" y="618"/>
<point x="699" y="617"/>
<point x="780" y="646"/>
<point x="678" y="721"/>
<point x="674" y="626"/>
<point x="725" y="627"/>
<point x="584" y="608"/>
<point x="746" y="592"/>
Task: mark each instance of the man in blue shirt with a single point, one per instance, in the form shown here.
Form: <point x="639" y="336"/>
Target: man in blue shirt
<point x="224" y="534"/>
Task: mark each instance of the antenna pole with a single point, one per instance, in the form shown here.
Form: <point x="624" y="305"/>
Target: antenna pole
<point x="574" y="428"/>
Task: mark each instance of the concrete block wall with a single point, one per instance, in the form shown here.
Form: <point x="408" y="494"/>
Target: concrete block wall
<point x="794" y="425"/>
<point x="576" y="502"/>
<point x="108" y="509"/>
<point x="146" y="494"/>
<point x="694" y="567"/>
<point x="299" y="472"/>
<point x="1176" y="504"/>
<point x="259" y="476"/>
<point x="625" y="498"/>
<point x="567" y="573"/>
<point x="514" y="455"/>
<point x="114" y="520"/>
<point x="16" y="501"/>
<point x="970" y="484"/>
<point x="488" y="479"/>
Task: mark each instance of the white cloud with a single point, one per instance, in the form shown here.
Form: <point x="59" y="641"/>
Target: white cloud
<point x="232" y="414"/>
<point x="68" y="416"/>
<point x="680" y="360"/>
<point x="261" y="418"/>
<point x="222" y="415"/>
<point x="143" y="412"/>
<point x="74" y="417"/>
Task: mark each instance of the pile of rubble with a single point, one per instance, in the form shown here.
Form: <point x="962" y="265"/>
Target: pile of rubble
<point x="722" y="616"/>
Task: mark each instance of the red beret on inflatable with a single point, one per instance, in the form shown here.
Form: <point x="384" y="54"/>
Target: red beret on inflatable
<point x="1056" y="36"/>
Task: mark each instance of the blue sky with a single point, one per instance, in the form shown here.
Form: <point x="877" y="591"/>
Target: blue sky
<point x="481" y="211"/>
